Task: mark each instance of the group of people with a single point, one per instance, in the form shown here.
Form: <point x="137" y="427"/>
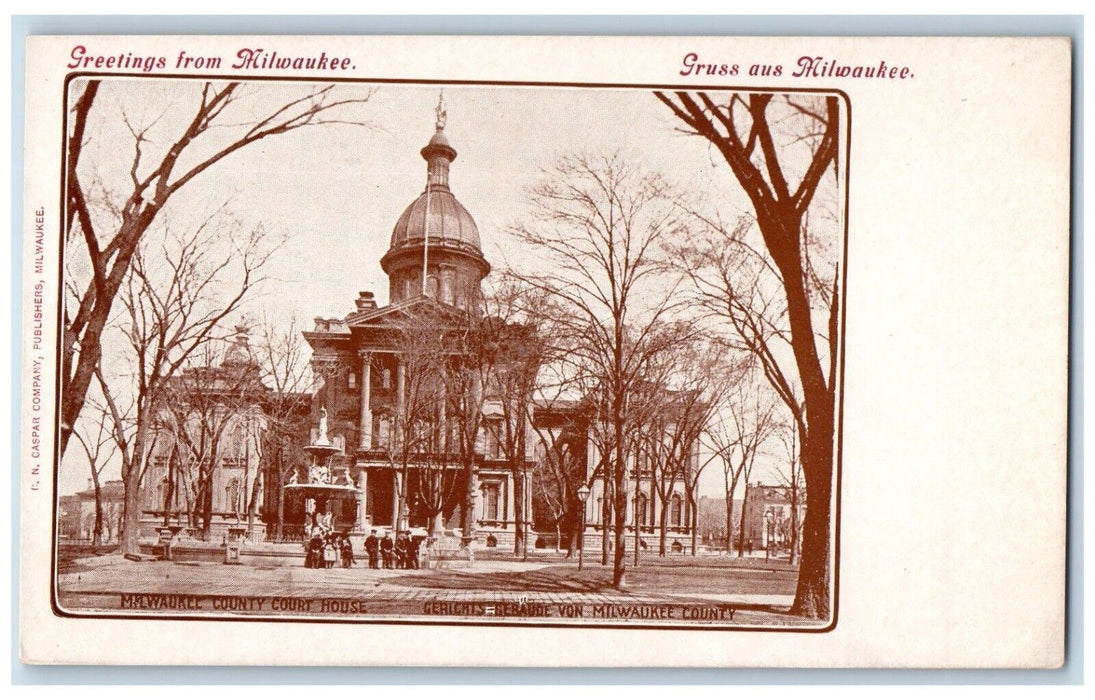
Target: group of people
<point x="402" y="553"/>
<point x="324" y="550"/>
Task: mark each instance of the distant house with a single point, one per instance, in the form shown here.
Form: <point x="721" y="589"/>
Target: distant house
<point x="76" y="515"/>
<point x="768" y="515"/>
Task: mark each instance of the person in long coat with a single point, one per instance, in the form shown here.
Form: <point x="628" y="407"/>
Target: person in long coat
<point x="401" y="544"/>
<point x="372" y="548"/>
<point x="347" y="551"/>
<point x="386" y="546"/>
<point x="314" y="557"/>
<point x="414" y="551"/>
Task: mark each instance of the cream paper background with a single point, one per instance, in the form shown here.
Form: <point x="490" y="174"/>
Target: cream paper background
<point x="952" y="496"/>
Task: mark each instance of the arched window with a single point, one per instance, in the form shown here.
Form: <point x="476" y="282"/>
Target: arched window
<point x="675" y="510"/>
<point x="431" y="286"/>
<point x="351" y="381"/>
<point x="447" y="292"/>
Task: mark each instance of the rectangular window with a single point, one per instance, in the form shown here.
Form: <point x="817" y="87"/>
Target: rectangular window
<point x="492" y="492"/>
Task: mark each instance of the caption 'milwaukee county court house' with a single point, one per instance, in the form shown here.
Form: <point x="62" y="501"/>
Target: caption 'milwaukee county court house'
<point x="345" y="468"/>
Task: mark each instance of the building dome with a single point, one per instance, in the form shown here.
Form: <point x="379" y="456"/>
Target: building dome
<point x="435" y="248"/>
<point x="449" y="222"/>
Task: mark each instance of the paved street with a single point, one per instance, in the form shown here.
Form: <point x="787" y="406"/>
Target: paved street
<point x="671" y="592"/>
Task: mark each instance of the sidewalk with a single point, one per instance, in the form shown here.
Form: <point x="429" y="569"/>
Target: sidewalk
<point x="112" y="583"/>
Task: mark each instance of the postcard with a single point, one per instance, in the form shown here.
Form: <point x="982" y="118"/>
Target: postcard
<point x="553" y="351"/>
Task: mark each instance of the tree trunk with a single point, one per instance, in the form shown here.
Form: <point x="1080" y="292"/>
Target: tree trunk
<point x="281" y="511"/>
<point x="619" y="564"/>
<point x="731" y="487"/>
<point x="812" y="594"/>
<point x="207" y="506"/>
<point x="693" y="520"/>
<point x="255" y="485"/>
<point x="97" y="535"/>
<point x="467" y="509"/>
<point x="741" y="521"/>
<point x="606" y="516"/>
<point x="636" y="514"/>
<point x="520" y="538"/>
<point x="131" y="481"/>
<point x="729" y="526"/>
<point x="663" y="522"/>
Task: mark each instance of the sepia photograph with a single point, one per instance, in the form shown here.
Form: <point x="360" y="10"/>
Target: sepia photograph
<point x="450" y="353"/>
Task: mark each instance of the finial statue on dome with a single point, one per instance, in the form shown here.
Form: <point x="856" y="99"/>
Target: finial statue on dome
<point x="441" y="113"/>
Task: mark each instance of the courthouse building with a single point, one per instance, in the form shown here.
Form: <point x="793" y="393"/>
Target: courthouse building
<point x="369" y="365"/>
<point x="367" y="369"/>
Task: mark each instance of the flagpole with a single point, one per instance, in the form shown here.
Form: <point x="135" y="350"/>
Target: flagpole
<point x="426" y="235"/>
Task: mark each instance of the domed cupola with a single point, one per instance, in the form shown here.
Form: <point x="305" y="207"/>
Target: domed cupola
<point x="436" y="234"/>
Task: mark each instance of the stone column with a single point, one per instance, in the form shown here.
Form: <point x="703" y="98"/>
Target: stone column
<point x="366" y="432"/>
<point x="362" y="500"/>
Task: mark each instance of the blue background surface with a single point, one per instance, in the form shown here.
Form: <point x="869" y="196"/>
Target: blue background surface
<point x="833" y="25"/>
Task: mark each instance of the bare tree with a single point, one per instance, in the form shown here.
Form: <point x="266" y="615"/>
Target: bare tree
<point x="748" y="421"/>
<point x="693" y="378"/>
<point x="436" y="479"/>
<point x="705" y="378"/>
<point x="558" y="472"/>
<point x="212" y="409"/>
<point x="419" y="393"/>
<point x="560" y="424"/>
<point x="791" y="478"/>
<point x="740" y="128"/>
<point x="597" y="223"/>
<point x="465" y="375"/>
<point x="517" y="352"/>
<point x="96" y="437"/>
<point x="220" y="125"/>
<point x="283" y="362"/>
<point x="175" y="299"/>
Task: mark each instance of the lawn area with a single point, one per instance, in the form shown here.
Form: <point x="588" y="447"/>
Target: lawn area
<point x="684" y="575"/>
<point x="68" y="555"/>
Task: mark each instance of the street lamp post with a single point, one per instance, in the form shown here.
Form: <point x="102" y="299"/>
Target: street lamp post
<point x="583" y="494"/>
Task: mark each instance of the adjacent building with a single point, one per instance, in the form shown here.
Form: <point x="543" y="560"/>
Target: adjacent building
<point x="774" y="516"/>
<point x="662" y="459"/>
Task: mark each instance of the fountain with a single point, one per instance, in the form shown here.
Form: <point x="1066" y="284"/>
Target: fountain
<point x="321" y="487"/>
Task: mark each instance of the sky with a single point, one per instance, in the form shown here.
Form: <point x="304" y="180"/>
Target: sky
<point x="334" y="192"/>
